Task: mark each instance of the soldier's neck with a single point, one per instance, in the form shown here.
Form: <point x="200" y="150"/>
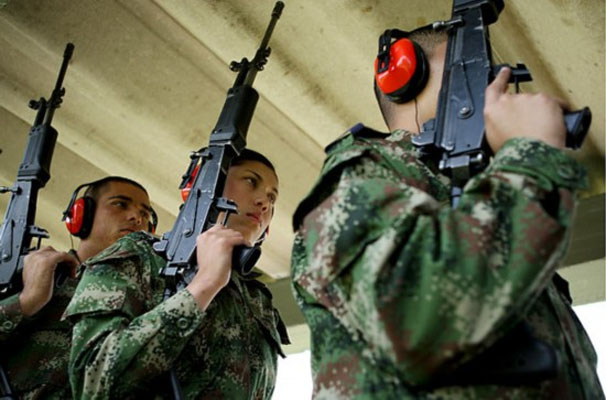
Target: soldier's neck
<point x="87" y="249"/>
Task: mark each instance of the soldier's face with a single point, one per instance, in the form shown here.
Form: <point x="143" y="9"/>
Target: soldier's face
<point x="254" y="188"/>
<point x="121" y="208"/>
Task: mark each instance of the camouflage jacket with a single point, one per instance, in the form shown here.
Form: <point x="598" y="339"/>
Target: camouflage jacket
<point x="404" y="294"/>
<point x="34" y="352"/>
<point x="126" y="337"/>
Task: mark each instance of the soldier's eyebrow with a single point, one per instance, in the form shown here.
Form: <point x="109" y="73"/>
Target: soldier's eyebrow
<point x="260" y="178"/>
<point x="126" y="198"/>
<point x="121" y="197"/>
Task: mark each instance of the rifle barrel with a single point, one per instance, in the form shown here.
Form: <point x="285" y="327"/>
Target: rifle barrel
<point x="55" y="99"/>
<point x="275" y="15"/>
<point x="263" y="52"/>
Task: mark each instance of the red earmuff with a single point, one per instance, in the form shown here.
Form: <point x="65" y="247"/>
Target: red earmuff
<point x="401" y="68"/>
<point x="76" y="216"/>
<point x="79" y="216"/>
<point x="187" y="188"/>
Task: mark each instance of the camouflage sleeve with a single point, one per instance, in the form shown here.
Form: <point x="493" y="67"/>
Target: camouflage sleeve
<point x="10" y="316"/>
<point x="120" y="341"/>
<point x="425" y="287"/>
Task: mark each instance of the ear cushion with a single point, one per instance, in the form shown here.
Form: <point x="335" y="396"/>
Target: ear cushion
<point x="79" y="221"/>
<point x="407" y="73"/>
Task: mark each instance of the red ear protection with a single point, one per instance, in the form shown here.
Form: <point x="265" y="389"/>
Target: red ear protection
<point x="75" y="221"/>
<point x="79" y="215"/>
<point x="80" y="212"/>
<point x="401" y="68"/>
<point x="187" y="188"/>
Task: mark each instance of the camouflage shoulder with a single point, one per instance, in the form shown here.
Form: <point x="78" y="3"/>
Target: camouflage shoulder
<point x="349" y="137"/>
<point x="118" y="278"/>
<point x="353" y="144"/>
<point x="128" y="246"/>
<point x="357" y="141"/>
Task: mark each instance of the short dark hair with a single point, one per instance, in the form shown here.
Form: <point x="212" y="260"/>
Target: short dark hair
<point x="95" y="188"/>
<point x="251" y="155"/>
<point x="428" y="39"/>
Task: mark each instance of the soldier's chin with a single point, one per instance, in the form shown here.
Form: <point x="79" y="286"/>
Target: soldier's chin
<point x="123" y="233"/>
<point x="246" y="229"/>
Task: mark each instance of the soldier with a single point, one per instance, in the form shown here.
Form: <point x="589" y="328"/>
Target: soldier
<point x="220" y="335"/>
<point x="34" y="342"/>
<point x="407" y="297"/>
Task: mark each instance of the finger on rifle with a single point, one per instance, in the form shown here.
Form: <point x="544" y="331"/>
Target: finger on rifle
<point x="47" y="249"/>
<point x="499" y="85"/>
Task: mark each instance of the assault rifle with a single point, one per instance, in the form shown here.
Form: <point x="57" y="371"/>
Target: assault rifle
<point x="18" y="228"/>
<point x="204" y="203"/>
<point x="455" y="138"/>
<point x="205" y="200"/>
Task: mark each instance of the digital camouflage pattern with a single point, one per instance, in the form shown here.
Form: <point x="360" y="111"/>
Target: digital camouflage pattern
<point x="401" y="291"/>
<point x="125" y="337"/>
<point x="34" y="352"/>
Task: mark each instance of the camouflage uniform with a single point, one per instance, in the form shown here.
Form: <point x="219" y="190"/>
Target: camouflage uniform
<point x="126" y="337"/>
<point x="403" y="294"/>
<point x="35" y="350"/>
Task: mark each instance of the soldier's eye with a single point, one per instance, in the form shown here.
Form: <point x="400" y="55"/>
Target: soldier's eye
<point x="252" y="181"/>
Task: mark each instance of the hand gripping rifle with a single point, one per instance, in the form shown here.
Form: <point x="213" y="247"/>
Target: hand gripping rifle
<point x="455" y="138"/>
<point x="204" y="202"/>
<point x="18" y="228"/>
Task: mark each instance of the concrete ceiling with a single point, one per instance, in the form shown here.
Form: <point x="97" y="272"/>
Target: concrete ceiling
<point x="148" y="79"/>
